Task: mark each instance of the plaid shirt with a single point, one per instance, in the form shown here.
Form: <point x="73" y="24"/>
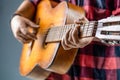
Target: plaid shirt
<point x="95" y="61"/>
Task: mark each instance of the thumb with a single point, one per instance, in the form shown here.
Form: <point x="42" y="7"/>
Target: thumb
<point x="32" y="24"/>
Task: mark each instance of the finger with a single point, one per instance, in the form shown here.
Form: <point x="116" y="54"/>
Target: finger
<point x="70" y="40"/>
<point x="66" y="38"/>
<point x="78" y="22"/>
<point x="69" y="45"/>
<point x="23" y="29"/>
<point x="65" y="47"/>
<point x="75" y="35"/>
<point x="27" y="34"/>
<point x="84" y="42"/>
<point x="81" y="20"/>
<point x="34" y="31"/>
<point x="73" y="41"/>
<point x="31" y="36"/>
<point x="23" y="38"/>
<point x="66" y="42"/>
<point x="69" y="37"/>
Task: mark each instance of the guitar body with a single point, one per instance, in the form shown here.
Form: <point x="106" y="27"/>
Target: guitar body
<point x="38" y="58"/>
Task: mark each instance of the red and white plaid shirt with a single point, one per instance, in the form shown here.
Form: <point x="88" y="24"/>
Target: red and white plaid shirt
<point x="95" y="61"/>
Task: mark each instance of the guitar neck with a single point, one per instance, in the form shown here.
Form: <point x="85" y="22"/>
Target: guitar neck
<point x="56" y="33"/>
<point x="103" y="30"/>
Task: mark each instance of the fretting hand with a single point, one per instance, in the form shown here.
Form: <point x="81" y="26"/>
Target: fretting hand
<point x="72" y="38"/>
<point x="21" y="28"/>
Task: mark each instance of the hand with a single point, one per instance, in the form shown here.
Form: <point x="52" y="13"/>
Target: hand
<point x="23" y="29"/>
<point x="72" y="38"/>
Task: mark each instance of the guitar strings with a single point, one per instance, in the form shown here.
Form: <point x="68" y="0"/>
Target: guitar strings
<point x="87" y="26"/>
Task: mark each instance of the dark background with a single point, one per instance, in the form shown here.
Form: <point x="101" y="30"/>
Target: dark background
<point x="10" y="48"/>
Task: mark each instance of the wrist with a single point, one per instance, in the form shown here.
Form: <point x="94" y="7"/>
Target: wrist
<point x="16" y="15"/>
<point x="26" y="9"/>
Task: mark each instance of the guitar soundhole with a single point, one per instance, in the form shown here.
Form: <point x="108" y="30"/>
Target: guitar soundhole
<point x="110" y="32"/>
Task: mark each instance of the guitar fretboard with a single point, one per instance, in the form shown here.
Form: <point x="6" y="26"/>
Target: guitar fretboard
<point x="57" y="33"/>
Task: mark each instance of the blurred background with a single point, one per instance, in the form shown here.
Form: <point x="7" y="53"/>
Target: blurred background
<point x="10" y="48"/>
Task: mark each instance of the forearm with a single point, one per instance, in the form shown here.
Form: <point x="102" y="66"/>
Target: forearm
<point x="26" y="9"/>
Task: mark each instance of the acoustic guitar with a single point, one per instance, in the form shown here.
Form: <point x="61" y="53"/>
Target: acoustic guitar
<point x="45" y="55"/>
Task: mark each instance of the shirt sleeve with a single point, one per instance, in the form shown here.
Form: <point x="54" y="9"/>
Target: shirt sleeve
<point x="116" y="10"/>
<point x="34" y="2"/>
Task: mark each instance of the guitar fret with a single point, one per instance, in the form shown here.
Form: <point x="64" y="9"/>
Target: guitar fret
<point x="93" y="26"/>
<point x="84" y="34"/>
<point x="88" y="29"/>
<point x="60" y="32"/>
